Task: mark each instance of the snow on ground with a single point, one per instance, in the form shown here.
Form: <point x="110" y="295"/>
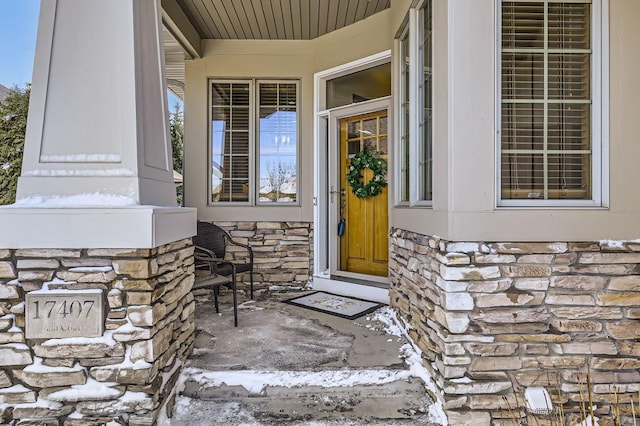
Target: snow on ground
<point x="256" y="381"/>
<point x="413" y="358"/>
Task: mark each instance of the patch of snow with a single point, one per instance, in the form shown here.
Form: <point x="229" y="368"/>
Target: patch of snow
<point x="130" y="396"/>
<point x="66" y="291"/>
<point x="284" y="287"/>
<point x="121" y="172"/>
<point x="413" y="358"/>
<point x="92" y="389"/>
<point x="57" y="281"/>
<point x="14" y="328"/>
<point x="41" y="403"/>
<point x="14" y="389"/>
<point x="189" y="411"/>
<point x="106" y="338"/>
<point x="79" y="200"/>
<point x="249" y="304"/>
<point x="91" y="269"/>
<point x="589" y="421"/>
<point x="387" y="316"/>
<point x="81" y="158"/>
<point x="6" y="166"/>
<point x="38" y="367"/>
<point x="15" y="283"/>
<point x="18" y="308"/>
<point x="19" y="346"/>
<point x="75" y="415"/>
<point x="461" y="380"/>
<point x="612" y="243"/>
<point x="128" y="327"/>
<point x="127" y="363"/>
<point x="256" y="381"/>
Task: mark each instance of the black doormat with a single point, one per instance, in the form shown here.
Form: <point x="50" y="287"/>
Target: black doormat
<point x="333" y="304"/>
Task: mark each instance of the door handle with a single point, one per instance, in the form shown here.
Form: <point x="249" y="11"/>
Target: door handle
<point x="333" y="192"/>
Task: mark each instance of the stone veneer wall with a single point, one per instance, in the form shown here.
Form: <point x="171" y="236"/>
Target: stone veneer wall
<point x="490" y="317"/>
<point x="128" y="375"/>
<point x="282" y="251"/>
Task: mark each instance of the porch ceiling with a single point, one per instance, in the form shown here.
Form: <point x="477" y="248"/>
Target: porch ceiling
<point x="174" y="56"/>
<point x="186" y="22"/>
<point x="275" y="19"/>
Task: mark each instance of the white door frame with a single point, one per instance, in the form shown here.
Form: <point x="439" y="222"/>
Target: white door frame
<point x="324" y="225"/>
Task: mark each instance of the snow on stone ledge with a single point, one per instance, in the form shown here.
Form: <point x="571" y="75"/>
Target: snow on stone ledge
<point x="40" y="403"/>
<point x="107" y="339"/>
<point x="91" y="269"/>
<point x="79" y="200"/>
<point x="45" y="288"/>
<point x="14" y="389"/>
<point x="92" y="390"/>
<point x="38" y="367"/>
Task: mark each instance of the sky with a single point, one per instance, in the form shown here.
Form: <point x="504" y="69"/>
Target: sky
<point x="18" y="28"/>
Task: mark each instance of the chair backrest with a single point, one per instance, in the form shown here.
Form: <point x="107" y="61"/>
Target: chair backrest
<point x="211" y="237"/>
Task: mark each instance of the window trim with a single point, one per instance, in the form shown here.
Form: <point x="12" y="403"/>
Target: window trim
<point x="254" y="142"/>
<point x="599" y="33"/>
<point x="419" y="130"/>
<point x="256" y="192"/>
<point x="412" y="30"/>
<point x="403" y="129"/>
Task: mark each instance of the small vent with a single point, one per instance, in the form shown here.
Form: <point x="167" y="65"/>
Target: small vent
<point x="538" y="401"/>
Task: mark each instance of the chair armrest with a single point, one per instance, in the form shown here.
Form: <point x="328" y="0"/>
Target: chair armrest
<point x="209" y="256"/>
<point x="246" y="246"/>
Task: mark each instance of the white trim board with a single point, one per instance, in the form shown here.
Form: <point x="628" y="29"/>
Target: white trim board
<point x="321" y="160"/>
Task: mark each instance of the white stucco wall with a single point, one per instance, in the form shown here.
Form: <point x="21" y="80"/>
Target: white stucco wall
<point x="465" y="196"/>
<point x="464" y="206"/>
<point x="268" y="59"/>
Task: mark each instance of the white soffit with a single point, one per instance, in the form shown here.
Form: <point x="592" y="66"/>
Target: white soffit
<point x="276" y="20"/>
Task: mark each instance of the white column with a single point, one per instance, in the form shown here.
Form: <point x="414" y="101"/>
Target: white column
<point x="97" y="154"/>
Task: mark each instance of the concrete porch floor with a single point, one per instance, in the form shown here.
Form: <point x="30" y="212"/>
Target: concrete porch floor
<point x="289" y="365"/>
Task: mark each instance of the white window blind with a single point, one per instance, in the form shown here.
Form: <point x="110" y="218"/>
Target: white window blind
<point x="546" y="144"/>
<point x="425" y="90"/>
<point x="403" y="193"/>
<point x="415" y="153"/>
<point x="254" y="141"/>
<point x="230" y="134"/>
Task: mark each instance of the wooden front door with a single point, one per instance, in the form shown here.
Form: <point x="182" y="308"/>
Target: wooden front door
<point x="364" y="244"/>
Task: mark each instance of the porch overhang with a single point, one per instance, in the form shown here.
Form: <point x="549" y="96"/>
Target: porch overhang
<point x="187" y="23"/>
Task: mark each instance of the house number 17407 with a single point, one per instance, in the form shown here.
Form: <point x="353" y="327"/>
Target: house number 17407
<point x="63" y="308"/>
<point x="64" y="313"/>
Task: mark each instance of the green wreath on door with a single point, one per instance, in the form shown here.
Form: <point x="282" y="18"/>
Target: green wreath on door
<point x="361" y="161"/>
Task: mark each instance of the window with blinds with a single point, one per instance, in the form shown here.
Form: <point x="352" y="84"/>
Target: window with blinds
<point x="546" y="144"/>
<point x="415" y="153"/>
<point x="230" y="132"/>
<point x="425" y="89"/>
<point x="239" y="145"/>
<point x="277" y="133"/>
<point x="404" y="119"/>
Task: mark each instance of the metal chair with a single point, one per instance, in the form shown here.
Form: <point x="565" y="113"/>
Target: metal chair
<point x="211" y="247"/>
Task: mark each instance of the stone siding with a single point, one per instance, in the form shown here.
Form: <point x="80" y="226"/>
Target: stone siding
<point x="282" y="251"/>
<point x="128" y="375"/>
<point x="491" y="317"/>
